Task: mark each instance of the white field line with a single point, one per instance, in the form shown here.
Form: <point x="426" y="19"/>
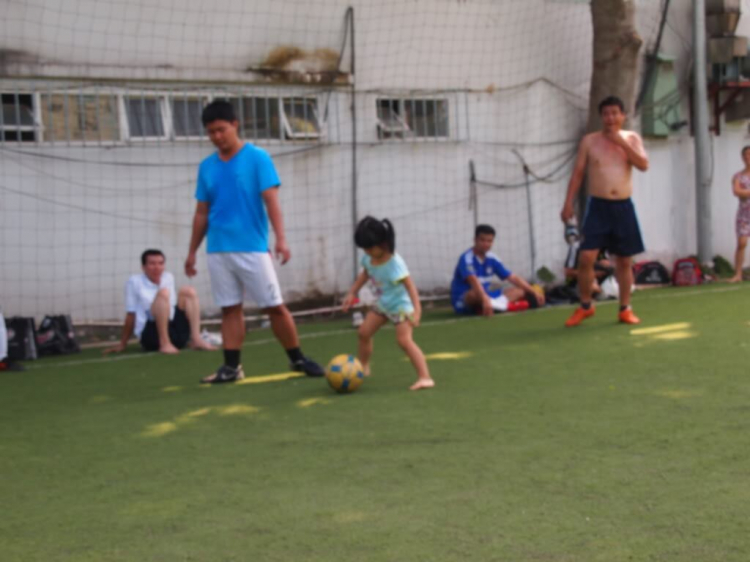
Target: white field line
<point x="328" y="333"/>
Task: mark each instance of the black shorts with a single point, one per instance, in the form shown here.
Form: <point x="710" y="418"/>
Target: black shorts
<point x="179" y="332"/>
<point x="611" y="225"/>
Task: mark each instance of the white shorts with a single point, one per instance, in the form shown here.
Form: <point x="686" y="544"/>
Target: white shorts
<point x="500" y="304"/>
<point x="234" y="275"/>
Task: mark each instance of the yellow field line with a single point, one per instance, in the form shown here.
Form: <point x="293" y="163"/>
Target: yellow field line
<point x="661" y="329"/>
<point x="270" y="378"/>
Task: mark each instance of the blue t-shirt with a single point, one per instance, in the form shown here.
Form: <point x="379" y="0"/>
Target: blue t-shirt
<point x="237" y="219"/>
<point x="470" y="264"/>
<point x="387" y="280"/>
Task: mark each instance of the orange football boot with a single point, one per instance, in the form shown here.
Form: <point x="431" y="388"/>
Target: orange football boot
<point x="627" y="317"/>
<point x="579" y="316"/>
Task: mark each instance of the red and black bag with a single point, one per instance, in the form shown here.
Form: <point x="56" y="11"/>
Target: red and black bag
<point x="687" y="272"/>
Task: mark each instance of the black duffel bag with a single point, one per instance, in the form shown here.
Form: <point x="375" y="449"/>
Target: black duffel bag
<point x="55" y="336"/>
<point x="21" y="338"/>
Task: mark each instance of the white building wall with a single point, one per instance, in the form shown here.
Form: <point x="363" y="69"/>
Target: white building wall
<point x="516" y="74"/>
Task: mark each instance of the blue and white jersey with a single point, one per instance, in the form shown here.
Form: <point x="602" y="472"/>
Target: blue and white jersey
<point x="484" y="270"/>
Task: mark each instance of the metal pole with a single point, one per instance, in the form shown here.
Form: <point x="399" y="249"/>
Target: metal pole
<point x="530" y="212"/>
<point x="702" y="138"/>
<point x="355" y="211"/>
<point x="530" y="209"/>
<point x="473" y="202"/>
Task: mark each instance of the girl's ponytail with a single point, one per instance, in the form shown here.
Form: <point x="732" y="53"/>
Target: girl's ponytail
<point x="390" y="234"/>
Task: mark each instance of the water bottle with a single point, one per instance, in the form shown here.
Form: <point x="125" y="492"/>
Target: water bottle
<point x="571" y="231"/>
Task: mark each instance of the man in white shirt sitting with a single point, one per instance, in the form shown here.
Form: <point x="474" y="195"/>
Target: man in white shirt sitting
<point x="161" y="318"/>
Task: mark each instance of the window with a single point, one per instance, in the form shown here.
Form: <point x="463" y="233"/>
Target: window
<point x="428" y="118"/>
<point x="79" y="117"/>
<point x="301" y="118"/>
<point x="18" y="122"/>
<point x="144" y="117"/>
<point x="99" y="115"/>
<point x="390" y="121"/>
<point x="186" y="117"/>
<point x="258" y="117"/>
<point x="422" y="118"/>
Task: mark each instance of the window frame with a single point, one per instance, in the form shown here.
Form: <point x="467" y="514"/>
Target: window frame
<point x="203" y="97"/>
<point x="164" y="111"/>
<point x="287" y="126"/>
<point x="115" y="96"/>
<point x="276" y="99"/>
<point x="407" y="131"/>
<point x="35" y="129"/>
<point x="123" y="98"/>
<point x="384" y="129"/>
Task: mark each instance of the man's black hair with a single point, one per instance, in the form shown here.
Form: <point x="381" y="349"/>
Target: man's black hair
<point x="611" y="100"/>
<point x="218" y="110"/>
<point x="151" y="252"/>
<point x="745" y="149"/>
<point x="372" y="232"/>
<point x="483" y="229"/>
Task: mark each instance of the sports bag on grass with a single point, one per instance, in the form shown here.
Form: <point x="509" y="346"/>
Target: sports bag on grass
<point x="687" y="272"/>
<point x="650" y="273"/>
<point x="55" y="336"/>
<point x="21" y="338"/>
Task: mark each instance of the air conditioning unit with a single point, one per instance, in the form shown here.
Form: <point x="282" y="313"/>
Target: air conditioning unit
<point x="721" y="50"/>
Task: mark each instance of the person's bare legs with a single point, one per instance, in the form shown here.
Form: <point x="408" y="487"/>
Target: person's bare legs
<point x="739" y="259"/>
<point x="404" y="331"/>
<point x="187" y="300"/>
<point x="232" y="326"/>
<point x="586" y="275"/>
<point x="624" y="276"/>
<point x="283" y="326"/>
<point x="596" y="288"/>
<point x="514" y="294"/>
<point x="372" y="323"/>
<point x="474" y="300"/>
<point x="160" y="309"/>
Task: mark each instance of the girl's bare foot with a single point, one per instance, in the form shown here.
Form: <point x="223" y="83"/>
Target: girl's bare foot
<point x="202" y="345"/>
<point x="169" y="349"/>
<point x="366" y="370"/>
<point x="735" y="279"/>
<point x="422" y="384"/>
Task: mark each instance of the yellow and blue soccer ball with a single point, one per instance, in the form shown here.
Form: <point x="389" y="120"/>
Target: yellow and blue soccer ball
<point x="344" y="373"/>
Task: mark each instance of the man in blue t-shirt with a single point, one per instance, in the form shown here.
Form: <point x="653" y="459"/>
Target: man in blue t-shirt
<point x="471" y="289"/>
<point x="237" y="194"/>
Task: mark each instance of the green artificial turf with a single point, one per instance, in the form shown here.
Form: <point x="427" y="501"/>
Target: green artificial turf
<point x="539" y="443"/>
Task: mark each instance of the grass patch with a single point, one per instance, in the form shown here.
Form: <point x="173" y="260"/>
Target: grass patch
<point x="600" y="443"/>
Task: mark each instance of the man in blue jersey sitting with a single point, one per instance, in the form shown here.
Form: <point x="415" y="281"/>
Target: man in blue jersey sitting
<point x="471" y="289"/>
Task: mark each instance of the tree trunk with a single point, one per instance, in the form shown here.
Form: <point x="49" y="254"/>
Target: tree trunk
<point x="616" y="48"/>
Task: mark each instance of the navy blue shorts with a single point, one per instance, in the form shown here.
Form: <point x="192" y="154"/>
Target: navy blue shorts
<point x="611" y="225"/>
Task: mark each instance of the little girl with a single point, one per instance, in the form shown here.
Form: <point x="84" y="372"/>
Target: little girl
<point x="741" y="189"/>
<point x="398" y="300"/>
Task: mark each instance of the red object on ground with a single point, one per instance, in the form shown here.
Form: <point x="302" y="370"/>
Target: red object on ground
<point x="518" y="306"/>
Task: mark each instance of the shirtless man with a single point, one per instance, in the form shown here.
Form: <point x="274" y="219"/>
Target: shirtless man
<point x="607" y="158"/>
